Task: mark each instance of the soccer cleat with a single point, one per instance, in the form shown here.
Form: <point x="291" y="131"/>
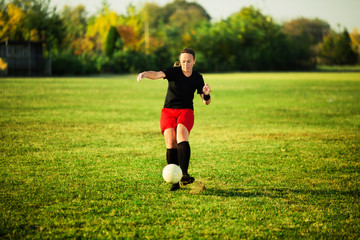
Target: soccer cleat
<point x="175" y="187"/>
<point x="186" y="179"/>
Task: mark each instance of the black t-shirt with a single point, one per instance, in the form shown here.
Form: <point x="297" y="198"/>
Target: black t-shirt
<point x="181" y="89"/>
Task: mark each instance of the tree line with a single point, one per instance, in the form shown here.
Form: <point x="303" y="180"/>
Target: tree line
<point x="151" y="36"/>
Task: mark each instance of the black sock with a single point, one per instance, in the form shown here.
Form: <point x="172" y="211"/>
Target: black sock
<point x="172" y="156"/>
<point x="184" y="156"/>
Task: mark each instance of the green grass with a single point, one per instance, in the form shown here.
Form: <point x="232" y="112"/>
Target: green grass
<point x="338" y="68"/>
<point x="279" y="154"/>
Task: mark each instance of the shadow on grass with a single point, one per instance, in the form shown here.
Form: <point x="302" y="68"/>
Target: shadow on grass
<point x="245" y="193"/>
<point x="280" y="192"/>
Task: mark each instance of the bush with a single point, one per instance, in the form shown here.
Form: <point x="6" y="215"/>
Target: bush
<point x="66" y="64"/>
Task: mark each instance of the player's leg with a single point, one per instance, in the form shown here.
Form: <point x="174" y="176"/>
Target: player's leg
<point x="171" y="151"/>
<point x="171" y="146"/>
<point x="184" y="153"/>
<point x="183" y="146"/>
<point x="168" y="125"/>
<point x="185" y="124"/>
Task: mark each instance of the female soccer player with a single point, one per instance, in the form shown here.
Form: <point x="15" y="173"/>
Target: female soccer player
<point x="177" y="116"/>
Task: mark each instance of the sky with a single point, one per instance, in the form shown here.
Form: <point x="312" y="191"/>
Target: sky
<point x="339" y="14"/>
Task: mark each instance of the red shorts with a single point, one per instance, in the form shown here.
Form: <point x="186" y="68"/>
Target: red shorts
<point x="170" y="118"/>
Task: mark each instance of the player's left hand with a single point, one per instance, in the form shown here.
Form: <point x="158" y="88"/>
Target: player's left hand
<point x="206" y="89"/>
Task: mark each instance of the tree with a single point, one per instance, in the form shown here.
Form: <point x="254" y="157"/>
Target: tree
<point x="247" y="40"/>
<point x="355" y="42"/>
<point x="75" y="22"/>
<point x="180" y="19"/>
<point x="306" y="35"/>
<point x="313" y="30"/>
<point x="152" y="13"/>
<point x="171" y="8"/>
<point x="131" y="30"/>
<point x="42" y="21"/>
<point x="336" y="49"/>
<point x="99" y="25"/>
<point x="113" y="42"/>
<point x="30" y="20"/>
<point x="12" y="21"/>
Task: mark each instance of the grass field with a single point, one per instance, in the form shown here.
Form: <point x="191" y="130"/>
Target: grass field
<point x="278" y="153"/>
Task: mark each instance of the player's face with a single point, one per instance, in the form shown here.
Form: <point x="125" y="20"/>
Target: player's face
<point x="187" y="62"/>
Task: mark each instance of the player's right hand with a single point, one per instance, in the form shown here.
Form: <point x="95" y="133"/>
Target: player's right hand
<point x="140" y="76"/>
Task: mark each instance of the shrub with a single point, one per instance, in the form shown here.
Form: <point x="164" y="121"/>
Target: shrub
<point x="66" y="64"/>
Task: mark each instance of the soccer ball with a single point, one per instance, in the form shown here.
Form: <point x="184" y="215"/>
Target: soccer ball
<point x="172" y="173"/>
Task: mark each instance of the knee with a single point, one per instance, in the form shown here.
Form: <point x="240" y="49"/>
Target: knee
<point x="170" y="139"/>
<point x="170" y="143"/>
<point x="182" y="134"/>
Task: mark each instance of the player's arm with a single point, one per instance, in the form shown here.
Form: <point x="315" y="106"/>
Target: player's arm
<point x="151" y="75"/>
<point x="205" y="96"/>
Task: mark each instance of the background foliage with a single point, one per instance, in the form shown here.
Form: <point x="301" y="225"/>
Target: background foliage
<point x="152" y="35"/>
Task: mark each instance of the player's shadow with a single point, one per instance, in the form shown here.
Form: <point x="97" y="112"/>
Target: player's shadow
<point x="277" y="192"/>
<point x="238" y="192"/>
